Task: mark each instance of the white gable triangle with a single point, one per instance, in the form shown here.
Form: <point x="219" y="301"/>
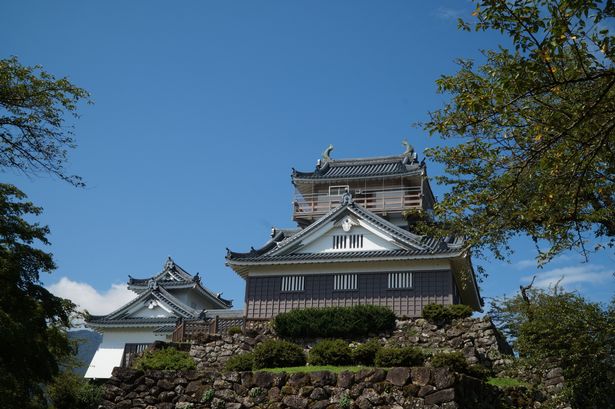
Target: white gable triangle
<point x="347" y="230"/>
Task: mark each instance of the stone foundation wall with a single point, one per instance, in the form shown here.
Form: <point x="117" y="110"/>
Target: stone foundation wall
<point x="433" y="388"/>
<point x="477" y="338"/>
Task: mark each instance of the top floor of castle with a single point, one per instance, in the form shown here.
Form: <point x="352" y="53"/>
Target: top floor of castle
<point x="394" y="187"/>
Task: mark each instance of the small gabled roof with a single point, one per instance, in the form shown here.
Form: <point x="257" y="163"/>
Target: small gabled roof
<point x="173" y="276"/>
<point x="279" y="247"/>
<point x="328" y="169"/>
<point x="171" y="272"/>
<point x="160" y="294"/>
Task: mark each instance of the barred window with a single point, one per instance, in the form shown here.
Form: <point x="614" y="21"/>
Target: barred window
<point x="348" y="241"/>
<point x="344" y="282"/>
<point x="293" y="283"/>
<point x="400" y="280"/>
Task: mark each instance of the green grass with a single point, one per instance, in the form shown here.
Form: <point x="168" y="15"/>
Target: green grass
<point x="315" y="368"/>
<point x="507" y="382"/>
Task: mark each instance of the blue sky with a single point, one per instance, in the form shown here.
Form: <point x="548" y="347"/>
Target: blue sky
<point x="203" y="107"/>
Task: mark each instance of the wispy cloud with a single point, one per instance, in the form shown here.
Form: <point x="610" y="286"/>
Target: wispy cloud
<point x="532" y="263"/>
<point x="572" y="276"/>
<point x="88" y="298"/>
<point x="448" y="13"/>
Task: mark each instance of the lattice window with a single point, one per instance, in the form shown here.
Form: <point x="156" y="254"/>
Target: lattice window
<point x="399" y="280"/>
<point x="293" y="283"/>
<point x="342" y="282"/>
<point x="348" y="241"/>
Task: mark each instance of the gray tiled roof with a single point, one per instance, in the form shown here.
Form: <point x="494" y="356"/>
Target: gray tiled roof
<point x="416" y="245"/>
<point x="100" y="321"/>
<point x="361" y="168"/>
<point x="355" y="255"/>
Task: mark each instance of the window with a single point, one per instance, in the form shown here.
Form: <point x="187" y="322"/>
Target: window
<point x="343" y="282"/>
<point x="293" y="283"/>
<point x="337" y="190"/>
<point x="400" y="280"/>
<point x="348" y="241"/>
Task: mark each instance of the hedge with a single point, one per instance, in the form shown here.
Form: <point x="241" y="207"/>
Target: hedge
<point x="330" y="352"/>
<point x="391" y="357"/>
<point x="275" y="353"/>
<point x="167" y="358"/>
<point x="365" y="354"/>
<point x="241" y="362"/>
<point x="334" y="322"/>
<point x="438" y="313"/>
<point x="457" y="362"/>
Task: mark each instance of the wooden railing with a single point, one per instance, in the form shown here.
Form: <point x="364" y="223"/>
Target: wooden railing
<point x="130" y="352"/>
<point x="187" y="331"/>
<point x="383" y="200"/>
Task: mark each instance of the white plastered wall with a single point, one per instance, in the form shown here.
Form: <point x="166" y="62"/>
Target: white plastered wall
<point x="110" y="350"/>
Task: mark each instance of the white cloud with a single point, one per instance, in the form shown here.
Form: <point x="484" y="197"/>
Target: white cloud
<point x="447" y="13"/>
<point x="88" y="298"/>
<point x="572" y="276"/>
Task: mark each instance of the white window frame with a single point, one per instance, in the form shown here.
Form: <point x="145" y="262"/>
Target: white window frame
<point x="345" y="282"/>
<point x="292" y="284"/>
<point x="401" y="280"/>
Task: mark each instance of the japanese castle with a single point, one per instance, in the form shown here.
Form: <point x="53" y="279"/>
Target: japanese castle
<point x="355" y="244"/>
<point x="162" y="300"/>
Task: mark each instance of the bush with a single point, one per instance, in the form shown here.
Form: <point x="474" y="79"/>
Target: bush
<point x="69" y="391"/>
<point x="390" y="357"/>
<point x="234" y="330"/>
<point x="277" y="354"/>
<point x="330" y="352"/>
<point x="167" y="358"/>
<point x="454" y="360"/>
<point x="365" y="354"/>
<point x="438" y="313"/>
<point x="333" y="322"/>
<point x="241" y="362"/>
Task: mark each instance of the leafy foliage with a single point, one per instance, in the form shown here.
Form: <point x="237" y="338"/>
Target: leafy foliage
<point x="275" y="353"/>
<point x="33" y="135"/>
<point x="234" y="330"/>
<point x="578" y="334"/>
<point x="333" y="322"/>
<point x="70" y="391"/>
<point x="439" y="313"/>
<point x="241" y="362"/>
<point x="407" y="356"/>
<point x="536" y="130"/>
<point x="166" y="358"/>
<point x="365" y="354"/>
<point x="457" y="362"/>
<point x="330" y="352"/>
<point x="33" y="321"/>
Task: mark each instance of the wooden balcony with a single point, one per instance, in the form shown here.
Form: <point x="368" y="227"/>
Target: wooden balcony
<point x="378" y="201"/>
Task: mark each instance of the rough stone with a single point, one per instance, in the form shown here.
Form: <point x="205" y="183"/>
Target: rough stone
<point x="398" y="376"/>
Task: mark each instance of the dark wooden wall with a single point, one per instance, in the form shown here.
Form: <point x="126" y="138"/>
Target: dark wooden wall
<point x="264" y="299"/>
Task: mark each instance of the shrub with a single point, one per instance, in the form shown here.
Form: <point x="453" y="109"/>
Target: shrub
<point x="365" y="354"/>
<point x="167" y="358"/>
<point x="454" y="360"/>
<point x="234" y="330"/>
<point x="209" y="394"/>
<point x="478" y="371"/>
<point x="69" y="391"/>
<point x="241" y="362"/>
<point x="333" y="322"/>
<point x="438" y="313"/>
<point x="390" y="357"/>
<point x="275" y="353"/>
<point x="330" y="352"/>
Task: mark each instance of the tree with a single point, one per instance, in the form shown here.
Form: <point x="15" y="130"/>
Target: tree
<point x="536" y="130"/>
<point x="563" y="326"/>
<point x="33" y="107"/>
<point x="32" y="320"/>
